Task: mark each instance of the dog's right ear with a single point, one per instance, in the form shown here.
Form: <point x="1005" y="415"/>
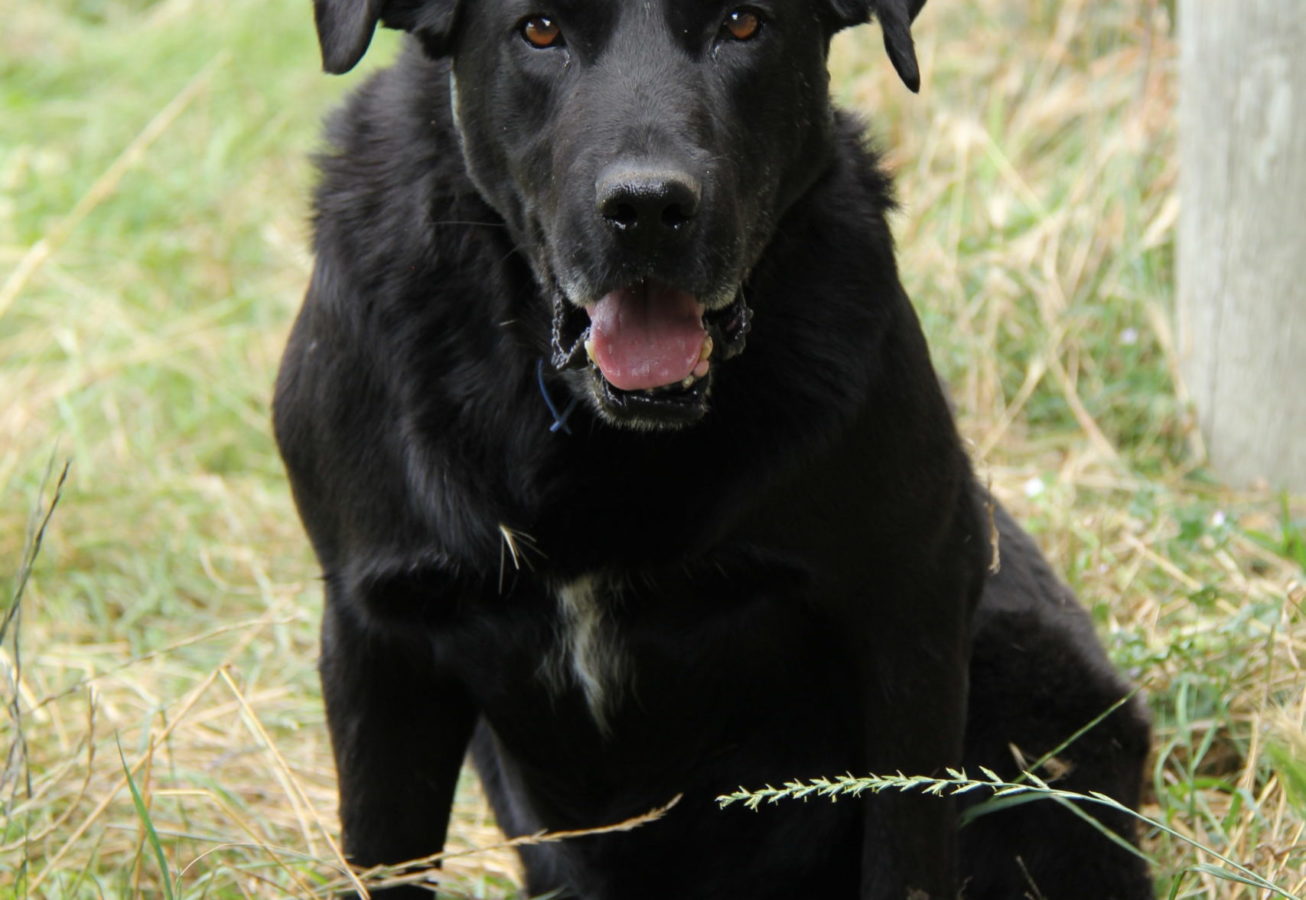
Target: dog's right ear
<point x="344" y="30"/>
<point x="345" y="27"/>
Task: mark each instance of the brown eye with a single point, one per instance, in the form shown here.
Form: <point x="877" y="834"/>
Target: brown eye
<point x="541" y="32"/>
<point x="742" y="24"/>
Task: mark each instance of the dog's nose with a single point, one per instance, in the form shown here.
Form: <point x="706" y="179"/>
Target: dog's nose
<point x="647" y="206"/>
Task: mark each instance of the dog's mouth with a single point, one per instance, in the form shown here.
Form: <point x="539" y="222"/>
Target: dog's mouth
<point x="648" y="350"/>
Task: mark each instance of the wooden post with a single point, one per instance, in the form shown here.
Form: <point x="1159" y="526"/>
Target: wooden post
<point x="1242" y="233"/>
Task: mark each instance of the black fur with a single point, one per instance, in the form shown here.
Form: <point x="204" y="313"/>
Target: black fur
<point x="779" y="573"/>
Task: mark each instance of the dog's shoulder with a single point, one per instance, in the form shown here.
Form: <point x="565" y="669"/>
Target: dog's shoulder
<point x="413" y="270"/>
<point x="393" y="192"/>
<point x="400" y="352"/>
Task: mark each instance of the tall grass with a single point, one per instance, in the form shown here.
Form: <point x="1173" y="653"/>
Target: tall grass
<point x="153" y="190"/>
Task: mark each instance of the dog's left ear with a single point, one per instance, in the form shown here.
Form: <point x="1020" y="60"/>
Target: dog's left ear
<point x="895" y="21"/>
<point x="345" y="27"/>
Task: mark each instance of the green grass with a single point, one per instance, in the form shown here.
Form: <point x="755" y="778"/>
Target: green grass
<point x="153" y="187"/>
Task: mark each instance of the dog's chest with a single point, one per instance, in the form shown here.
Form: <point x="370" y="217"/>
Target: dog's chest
<point x="588" y="653"/>
<point x="650" y="674"/>
<point x="623" y="649"/>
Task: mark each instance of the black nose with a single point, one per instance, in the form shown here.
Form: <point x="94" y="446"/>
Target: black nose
<point x="647" y="206"/>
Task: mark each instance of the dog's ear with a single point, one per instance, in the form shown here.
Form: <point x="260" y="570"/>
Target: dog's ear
<point x="345" y="27"/>
<point x="895" y="21"/>
<point x="895" y="18"/>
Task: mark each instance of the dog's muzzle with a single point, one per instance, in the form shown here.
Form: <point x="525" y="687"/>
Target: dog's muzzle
<point x="647" y="351"/>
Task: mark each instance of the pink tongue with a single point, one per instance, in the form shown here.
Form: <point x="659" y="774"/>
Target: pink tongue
<point x="646" y="336"/>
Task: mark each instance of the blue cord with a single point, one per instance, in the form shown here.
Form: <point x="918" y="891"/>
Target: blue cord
<point x="559" y="418"/>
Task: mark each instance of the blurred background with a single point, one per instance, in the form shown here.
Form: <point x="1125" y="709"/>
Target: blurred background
<point x="163" y="734"/>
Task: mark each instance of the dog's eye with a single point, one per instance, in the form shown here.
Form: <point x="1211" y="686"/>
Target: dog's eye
<point x="742" y="25"/>
<point x="541" y="32"/>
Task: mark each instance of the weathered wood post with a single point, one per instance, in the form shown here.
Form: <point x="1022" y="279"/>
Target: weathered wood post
<point x="1242" y="233"/>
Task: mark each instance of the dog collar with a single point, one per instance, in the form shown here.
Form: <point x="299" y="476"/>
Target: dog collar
<point x="560" y="417"/>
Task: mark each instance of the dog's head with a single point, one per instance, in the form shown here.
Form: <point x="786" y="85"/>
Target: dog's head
<point x="642" y="153"/>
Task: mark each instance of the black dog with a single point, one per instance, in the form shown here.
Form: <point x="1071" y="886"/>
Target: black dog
<point x="621" y="450"/>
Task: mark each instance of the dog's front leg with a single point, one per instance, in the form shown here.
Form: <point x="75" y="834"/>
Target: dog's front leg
<point x="914" y="681"/>
<point x="399" y="729"/>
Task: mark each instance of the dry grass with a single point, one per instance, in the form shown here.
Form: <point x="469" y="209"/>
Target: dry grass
<point x="147" y="278"/>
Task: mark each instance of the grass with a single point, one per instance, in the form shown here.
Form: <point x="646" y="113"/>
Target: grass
<point x="153" y="184"/>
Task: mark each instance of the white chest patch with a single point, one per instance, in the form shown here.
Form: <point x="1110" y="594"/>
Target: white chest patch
<point x="589" y="653"/>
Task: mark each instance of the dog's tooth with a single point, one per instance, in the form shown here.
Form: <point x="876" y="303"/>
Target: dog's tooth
<point x="688" y="382"/>
<point x="589" y="349"/>
<point x="707" y="348"/>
